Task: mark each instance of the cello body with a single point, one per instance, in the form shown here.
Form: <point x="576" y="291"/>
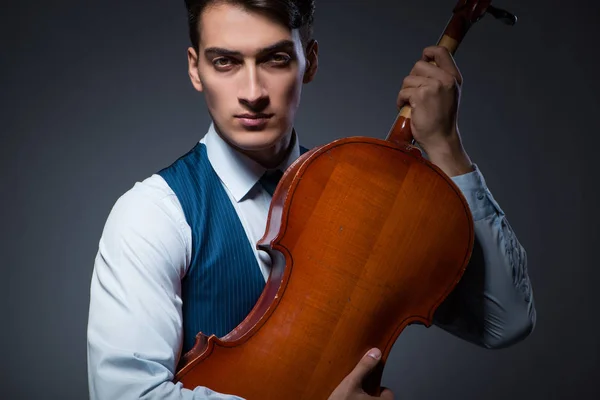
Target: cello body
<point x="366" y="236"/>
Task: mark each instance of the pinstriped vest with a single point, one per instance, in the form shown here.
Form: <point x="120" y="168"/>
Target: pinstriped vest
<point x="223" y="281"/>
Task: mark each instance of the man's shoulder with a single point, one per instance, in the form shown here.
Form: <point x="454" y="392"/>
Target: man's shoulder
<point x="151" y="189"/>
<point x="147" y="221"/>
<point x="150" y="199"/>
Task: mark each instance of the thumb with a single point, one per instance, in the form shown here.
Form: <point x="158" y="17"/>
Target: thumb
<point x="365" y="365"/>
<point x="386" y="394"/>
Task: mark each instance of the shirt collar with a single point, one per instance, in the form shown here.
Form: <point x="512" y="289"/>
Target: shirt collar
<point x="237" y="171"/>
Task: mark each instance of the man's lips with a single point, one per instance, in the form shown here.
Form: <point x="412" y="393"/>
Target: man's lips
<point x="253" y="120"/>
<point x="254" y="116"/>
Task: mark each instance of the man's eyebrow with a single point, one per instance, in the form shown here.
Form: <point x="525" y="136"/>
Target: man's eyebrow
<point x="282" y="44"/>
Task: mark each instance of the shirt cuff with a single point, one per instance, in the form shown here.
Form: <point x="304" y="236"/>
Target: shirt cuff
<point x="478" y="196"/>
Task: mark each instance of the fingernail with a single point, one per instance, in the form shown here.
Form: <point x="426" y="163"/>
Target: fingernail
<point x="375" y="353"/>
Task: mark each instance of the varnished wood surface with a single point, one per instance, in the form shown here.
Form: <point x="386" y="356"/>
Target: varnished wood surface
<point x="366" y="238"/>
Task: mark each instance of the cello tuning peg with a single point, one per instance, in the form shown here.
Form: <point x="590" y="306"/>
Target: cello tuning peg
<point x="502" y="15"/>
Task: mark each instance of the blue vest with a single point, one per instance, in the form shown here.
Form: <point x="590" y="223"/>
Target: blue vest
<point x="223" y="281"/>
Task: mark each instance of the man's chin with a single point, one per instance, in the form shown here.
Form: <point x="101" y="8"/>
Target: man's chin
<point x="255" y="140"/>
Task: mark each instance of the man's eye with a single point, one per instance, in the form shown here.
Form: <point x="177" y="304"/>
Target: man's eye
<point x="221" y="62"/>
<point x="280" y="59"/>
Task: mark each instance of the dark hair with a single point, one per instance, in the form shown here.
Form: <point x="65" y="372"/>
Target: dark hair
<point x="295" y="14"/>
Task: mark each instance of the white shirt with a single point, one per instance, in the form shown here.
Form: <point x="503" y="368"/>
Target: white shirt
<point x="135" y="315"/>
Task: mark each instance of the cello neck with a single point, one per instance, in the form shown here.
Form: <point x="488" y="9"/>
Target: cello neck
<point x="465" y="14"/>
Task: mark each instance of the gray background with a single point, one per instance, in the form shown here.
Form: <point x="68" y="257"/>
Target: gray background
<point x="95" y="96"/>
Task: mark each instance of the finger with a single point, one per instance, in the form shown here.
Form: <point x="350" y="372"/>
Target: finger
<point x="444" y="60"/>
<point x="364" y="366"/>
<point x="427" y="70"/>
<point x="386" y="394"/>
<point x="415" y="81"/>
<point x="406" y="97"/>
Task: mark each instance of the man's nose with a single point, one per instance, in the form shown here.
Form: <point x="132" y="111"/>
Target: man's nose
<point x="253" y="93"/>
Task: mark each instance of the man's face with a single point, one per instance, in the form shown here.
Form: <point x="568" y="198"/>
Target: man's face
<point x="251" y="70"/>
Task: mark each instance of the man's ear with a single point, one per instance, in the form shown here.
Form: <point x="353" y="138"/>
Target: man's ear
<point x="312" y="61"/>
<point x="193" y="69"/>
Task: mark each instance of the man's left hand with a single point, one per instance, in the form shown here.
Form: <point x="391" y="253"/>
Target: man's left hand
<point x="433" y="93"/>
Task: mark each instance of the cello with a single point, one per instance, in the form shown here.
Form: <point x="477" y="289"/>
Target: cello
<point x="366" y="236"/>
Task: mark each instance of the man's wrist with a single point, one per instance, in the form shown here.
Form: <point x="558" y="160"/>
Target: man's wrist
<point x="450" y="156"/>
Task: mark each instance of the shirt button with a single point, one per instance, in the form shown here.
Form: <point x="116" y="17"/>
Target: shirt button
<point x="480" y="195"/>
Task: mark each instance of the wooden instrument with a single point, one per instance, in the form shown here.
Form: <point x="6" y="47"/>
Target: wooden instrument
<point x="366" y="237"/>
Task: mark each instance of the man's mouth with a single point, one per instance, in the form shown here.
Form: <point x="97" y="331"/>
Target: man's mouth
<point x="253" y="120"/>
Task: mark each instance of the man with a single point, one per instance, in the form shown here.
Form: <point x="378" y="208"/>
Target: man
<point x="177" y="254"/>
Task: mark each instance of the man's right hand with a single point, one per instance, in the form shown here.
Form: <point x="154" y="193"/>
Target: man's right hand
<point x="351" y="387"/>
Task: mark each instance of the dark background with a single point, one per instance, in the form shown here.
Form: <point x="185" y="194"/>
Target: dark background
<point x="95" y="96"/>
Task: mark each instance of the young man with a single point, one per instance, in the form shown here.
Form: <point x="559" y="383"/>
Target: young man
<point x="177" y="255"/>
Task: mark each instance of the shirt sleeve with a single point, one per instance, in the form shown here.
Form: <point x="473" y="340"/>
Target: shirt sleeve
<point x="492" y="306"/>
<point x="135" y="318"/>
